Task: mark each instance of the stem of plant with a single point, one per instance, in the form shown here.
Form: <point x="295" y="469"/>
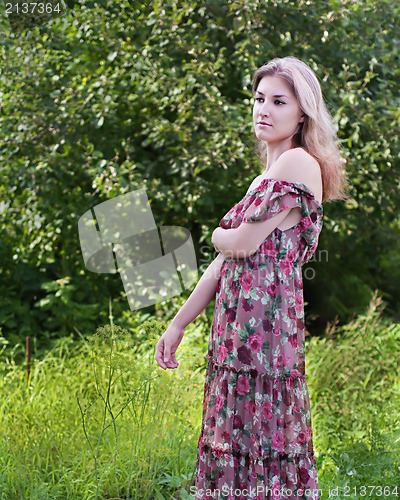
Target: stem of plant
<point x="28" y="357"/>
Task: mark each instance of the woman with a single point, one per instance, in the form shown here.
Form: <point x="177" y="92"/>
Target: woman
<point x="256" y="435"/>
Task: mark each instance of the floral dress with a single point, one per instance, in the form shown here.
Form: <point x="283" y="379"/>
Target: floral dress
<point x="256" y="434"/>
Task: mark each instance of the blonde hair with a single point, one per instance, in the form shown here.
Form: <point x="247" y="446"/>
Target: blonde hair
<point x="317" y="135"/>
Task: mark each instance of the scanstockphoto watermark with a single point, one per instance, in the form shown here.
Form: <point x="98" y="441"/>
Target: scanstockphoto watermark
<point x="309" y="272"/>
<point x="155" y="263"/>
<point x="120" y="236"/>
<point x="229" y="492"/>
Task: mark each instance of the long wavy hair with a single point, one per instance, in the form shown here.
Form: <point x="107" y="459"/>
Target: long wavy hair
<point x="317" y="134"/>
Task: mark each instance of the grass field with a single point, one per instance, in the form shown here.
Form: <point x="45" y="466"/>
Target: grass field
<point x="100" y="419"/>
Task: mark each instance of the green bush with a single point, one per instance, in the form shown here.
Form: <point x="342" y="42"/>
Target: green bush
<point x="118" y="96"/>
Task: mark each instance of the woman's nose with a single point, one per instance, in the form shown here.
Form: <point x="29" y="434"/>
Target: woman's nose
<point x="264" y="110"/>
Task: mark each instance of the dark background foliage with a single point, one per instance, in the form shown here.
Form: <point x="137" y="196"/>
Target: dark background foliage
<point x="118" y="96"/>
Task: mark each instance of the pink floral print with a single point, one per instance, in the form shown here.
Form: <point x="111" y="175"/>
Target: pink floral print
<point x="255" y="441"/>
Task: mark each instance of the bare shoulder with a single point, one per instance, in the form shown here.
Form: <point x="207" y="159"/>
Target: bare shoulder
<point x="296" y="165"/>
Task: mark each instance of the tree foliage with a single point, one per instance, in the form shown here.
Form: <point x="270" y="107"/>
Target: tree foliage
<point x="117" y="96"/>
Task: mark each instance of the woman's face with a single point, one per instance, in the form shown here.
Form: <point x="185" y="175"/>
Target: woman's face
<point x="276" y="112"/>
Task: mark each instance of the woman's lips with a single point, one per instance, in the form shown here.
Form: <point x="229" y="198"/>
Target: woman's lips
<point x="264" y="124"/>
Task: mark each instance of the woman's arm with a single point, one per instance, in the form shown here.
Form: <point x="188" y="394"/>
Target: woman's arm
<point x="243" y="241"/>
<point x="201" y="296"/>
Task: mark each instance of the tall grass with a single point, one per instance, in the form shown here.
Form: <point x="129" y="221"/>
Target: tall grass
<point x="354" y="384"/>
<point x="100" y="420"/>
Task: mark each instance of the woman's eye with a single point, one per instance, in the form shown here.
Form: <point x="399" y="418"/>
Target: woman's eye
<point x="277" y="101"/>
<point x="259" y="99"/>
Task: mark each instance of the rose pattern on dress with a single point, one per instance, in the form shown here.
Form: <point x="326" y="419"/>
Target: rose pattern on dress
<point x="256" y="424"/>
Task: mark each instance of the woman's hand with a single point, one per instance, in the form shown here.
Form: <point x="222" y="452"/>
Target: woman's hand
<point x="167" y="345"/>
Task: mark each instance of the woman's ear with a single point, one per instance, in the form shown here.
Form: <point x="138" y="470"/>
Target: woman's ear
<point x="303" y="117"/>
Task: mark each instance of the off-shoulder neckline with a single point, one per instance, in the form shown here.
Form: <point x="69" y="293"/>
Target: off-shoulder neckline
<point x="303" y="186"/>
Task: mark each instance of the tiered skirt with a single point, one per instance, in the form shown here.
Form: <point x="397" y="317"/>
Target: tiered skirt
<point x="256" y="437"/>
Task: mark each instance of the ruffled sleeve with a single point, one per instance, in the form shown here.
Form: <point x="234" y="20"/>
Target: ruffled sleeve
<point x="272" y="197"/>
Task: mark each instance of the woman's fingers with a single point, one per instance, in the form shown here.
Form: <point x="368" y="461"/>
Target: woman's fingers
<point x="167" y="352"/>
<point x="166" y="347"/>
<point x="173" y="361"/>
<point x="163" y="355"/>
<point x="169" y="357"/>
<point x="160" y="354"/>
